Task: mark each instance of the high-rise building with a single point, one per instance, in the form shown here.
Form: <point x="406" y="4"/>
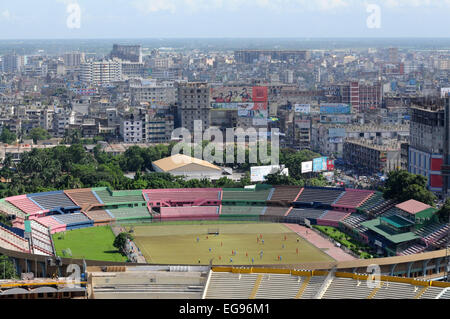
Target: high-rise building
<point x="12" y="63"/>
<point x="194" y="104"/>
<point x="131" y="53"/>
<point x="426" y="150"/>
<point x="101" y="73"/>
<point x="162" y="93"/>
<point x="364" y="96"/>
<point x="393" y="55"/>
<point x="73" y="59"/>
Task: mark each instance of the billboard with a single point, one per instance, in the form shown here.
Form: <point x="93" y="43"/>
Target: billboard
<point x="239" y="94"/>
<point x="335" y="108"/>
<point x="330" y="165"/>
<point x="302" y="108"/>
<point x="256" y="111"/>
<point x="307" y="167"/>
<point x="320" y="164"/>
<point x="260" y="94"/>
<point x="259" y="173"/>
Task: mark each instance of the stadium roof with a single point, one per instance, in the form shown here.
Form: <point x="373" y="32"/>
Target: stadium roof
<point x="180" y="160"/>
<point x="412" y="206"/>
<point x="375" y="224"/>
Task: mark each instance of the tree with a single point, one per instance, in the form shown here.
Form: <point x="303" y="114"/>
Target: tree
<point x="403" y="186"/>
<point x="4" y="220"/>
<point x="38" y="134"/>
<point x="121" y="240"/>
<point x="7" y="269"/>
<point x="444" y="212"/>
<point x="7" y="136"/>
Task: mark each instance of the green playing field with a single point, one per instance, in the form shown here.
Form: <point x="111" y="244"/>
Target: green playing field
<point x="95" y="243"/>
<point x="178" y="244"/>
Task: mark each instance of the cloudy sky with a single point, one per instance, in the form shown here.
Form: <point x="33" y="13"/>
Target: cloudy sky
<point x="31" y="19"/>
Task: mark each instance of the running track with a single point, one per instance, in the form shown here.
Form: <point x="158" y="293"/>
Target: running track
<point x="326" y="246"/>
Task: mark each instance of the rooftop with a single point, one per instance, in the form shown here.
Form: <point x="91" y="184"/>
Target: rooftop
<point x="375" y="224"/>
<point x="412" y="206"/>
<point x="180" y="160"/>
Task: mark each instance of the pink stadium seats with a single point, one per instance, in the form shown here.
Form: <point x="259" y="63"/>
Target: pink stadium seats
<point x="332" y="218"/>
<point x="352" y="199"/>
<point x="185" y="197"/>
<point x="25" y="204"/>
<point x="49" y="221"/>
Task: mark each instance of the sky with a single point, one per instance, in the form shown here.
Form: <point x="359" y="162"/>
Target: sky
<point x="94" y="19"/>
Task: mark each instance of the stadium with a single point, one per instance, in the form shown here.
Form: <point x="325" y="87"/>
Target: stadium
<point x="261" y="242"/>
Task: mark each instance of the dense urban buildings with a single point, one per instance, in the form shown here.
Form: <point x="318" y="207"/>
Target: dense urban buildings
<point x="343" y="104"/>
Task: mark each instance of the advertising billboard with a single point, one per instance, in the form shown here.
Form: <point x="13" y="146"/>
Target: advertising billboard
<point x="260" y="94"/>
<point x="335" y="108"/>
<point x="307" y="167"/>
<point x="259" y="173"/>
<point x="320" y="164"/>
<point x="330" y="165"/>
<point x="256" y="111"/>
<point x="302" y="108"/>
<point x="239" y="94"/>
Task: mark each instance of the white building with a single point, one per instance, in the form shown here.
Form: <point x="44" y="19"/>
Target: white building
<point x="102" y="72"/>
<point x="132" y="129"/>
<point x="155" y="93"/>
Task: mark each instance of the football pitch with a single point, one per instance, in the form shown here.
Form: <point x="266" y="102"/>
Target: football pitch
<point x="236" y="244"/>
<point x="95" y="243"/>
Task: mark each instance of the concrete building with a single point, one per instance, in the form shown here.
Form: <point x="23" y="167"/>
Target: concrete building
<point x="12" y="63"/>
<point x="73" y="59"/>
<point x="426" y="150"/>
<point x="159" y="129"/>
<point x="155" y="93"/>
<point x="194" y="104"/>
<point x="373" y="156"/>
<point x="102" y="72"/>
<point x="132" y="128"/>
<point x="329" y="139"/>
<point x="131" y="53"/>
<point x="132" y="69"/>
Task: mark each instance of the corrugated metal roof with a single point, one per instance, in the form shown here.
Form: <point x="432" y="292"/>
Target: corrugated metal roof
<point x="180" y="160"/>
<point x="412" y="206"/>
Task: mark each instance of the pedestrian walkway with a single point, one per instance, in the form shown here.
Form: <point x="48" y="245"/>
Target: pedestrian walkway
<point x="326" y="246"/>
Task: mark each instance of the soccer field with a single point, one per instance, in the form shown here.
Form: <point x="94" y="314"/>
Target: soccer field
<point x="95" y="243"/>
<point x="177" y="244"/>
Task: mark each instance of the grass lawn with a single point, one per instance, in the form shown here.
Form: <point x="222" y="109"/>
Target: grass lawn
<point x="177" y="244"/>
<point x="95" y="243"/>
<point x="344" y="239"/>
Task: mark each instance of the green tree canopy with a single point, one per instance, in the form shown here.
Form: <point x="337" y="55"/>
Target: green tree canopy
<point x="7" y="136"/>
<point x="121" y="240"/>
<point x="444" y="212"/>
<point x="403" y="186"/>
<point x="38" y="134"/>
<point x="7" y="269"/>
